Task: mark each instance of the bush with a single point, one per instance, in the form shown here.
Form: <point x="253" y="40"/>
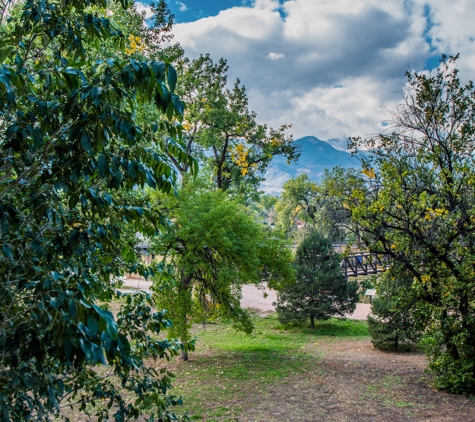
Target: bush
<point x="391" y="324"/>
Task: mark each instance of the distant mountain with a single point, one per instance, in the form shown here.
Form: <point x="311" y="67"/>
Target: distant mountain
<point x="316" y="155"/>
<point x="339" y="143"/>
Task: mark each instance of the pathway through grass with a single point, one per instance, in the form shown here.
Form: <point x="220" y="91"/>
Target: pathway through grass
<point x="329" y="374"/>
<point x="230" y="368"/>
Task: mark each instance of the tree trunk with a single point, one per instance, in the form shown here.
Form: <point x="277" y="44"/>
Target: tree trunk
<point x="448" y="336"/>
<point x="220" y="161"/>
<point x="312" y="321"/>
<point x="184" y="355"/>
<point x="185" y="287"/>
<point x="219" y="178"/>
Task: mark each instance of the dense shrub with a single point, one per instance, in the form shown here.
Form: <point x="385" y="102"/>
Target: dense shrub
<point x="320" y="290"/>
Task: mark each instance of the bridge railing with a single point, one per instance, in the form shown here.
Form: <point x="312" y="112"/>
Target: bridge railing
<point x="364" y="264"/>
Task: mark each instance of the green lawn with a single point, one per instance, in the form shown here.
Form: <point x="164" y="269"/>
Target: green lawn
<point x="332" y="373"/>
<point x="231" y="366"/>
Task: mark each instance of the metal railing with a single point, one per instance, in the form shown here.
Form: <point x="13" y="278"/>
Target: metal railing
<point x="364" y="264"/>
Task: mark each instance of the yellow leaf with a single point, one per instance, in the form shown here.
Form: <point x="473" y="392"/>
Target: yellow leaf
<point x="369" y="173"/>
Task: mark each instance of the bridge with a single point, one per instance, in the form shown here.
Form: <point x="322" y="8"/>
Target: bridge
<point x="364" y="264"/>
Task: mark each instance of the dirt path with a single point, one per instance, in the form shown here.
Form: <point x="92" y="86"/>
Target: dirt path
<point x="341" y="380"/>
<point x="355" y="382"/>
<point x="252" y="297"/>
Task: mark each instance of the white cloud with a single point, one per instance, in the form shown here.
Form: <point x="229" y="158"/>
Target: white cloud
<point x="453" y="31"/>
<point x="182" y="7"/>
<point x="344" y="59"/>
<point x="276" y="56"/>
<point x="143" y="7"/>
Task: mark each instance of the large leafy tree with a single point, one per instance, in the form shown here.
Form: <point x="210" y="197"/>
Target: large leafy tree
<point x="221" y="129"/>
<point x="74" y="157"/>
<point x="336" y="187"/>
<point x="418" y="207"/>
<point x="298" y="199"/>
<point x="320" y="290"/>
<point x="212" y="247"/>
<point x="316" y="204"/>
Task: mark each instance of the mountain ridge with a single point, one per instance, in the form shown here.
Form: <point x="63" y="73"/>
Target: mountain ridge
<point x="316" y="156"/>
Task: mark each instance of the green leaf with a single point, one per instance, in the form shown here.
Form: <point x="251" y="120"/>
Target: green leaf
<point x="86" y="347"/>
<point x="102" y="165"/>
<point x="6" y="52"/>
<point x="159" y="70"/>
<point x="108" y="317"/>
<point x="97" y="354"/>
<point x="72" y="308"/>
<point x="86" y="142"/>
<point x="132" y="169"/>
<point x="178" y="104"/>
<point x="172" y="78"/>
<point x="7" y="251"/>
<point x="150" y="179"/>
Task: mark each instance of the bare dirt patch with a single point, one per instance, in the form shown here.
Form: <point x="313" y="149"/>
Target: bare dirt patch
<point x="355" y="382"/>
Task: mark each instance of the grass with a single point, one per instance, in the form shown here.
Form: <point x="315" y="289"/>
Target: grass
<point x="231" y="365"/>
<point x="331" y="373"/>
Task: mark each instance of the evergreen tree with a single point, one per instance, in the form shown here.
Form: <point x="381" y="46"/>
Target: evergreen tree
<point x="391" y="323"/>
<point x="320" y="290"/>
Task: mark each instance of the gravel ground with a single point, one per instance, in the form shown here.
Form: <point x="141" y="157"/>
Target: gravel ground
<point x="252" y="297"/>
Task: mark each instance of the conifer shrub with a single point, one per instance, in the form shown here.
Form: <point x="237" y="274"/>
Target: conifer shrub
<point x="320" y="290"/>
<point x="391" y="322"/>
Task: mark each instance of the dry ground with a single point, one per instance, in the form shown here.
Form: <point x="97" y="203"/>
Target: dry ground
<point x="320" y="379"/>
<point x="339" y="380"/>
<point x="355" y="382"/>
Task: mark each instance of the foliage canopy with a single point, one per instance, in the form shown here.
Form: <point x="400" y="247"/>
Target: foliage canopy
<point x="74" y="156"/>
<point x="220" y="128"/>
<point x="417" y="205"/>
<point x="391" y="323"/>
<point x="213" y="247"/>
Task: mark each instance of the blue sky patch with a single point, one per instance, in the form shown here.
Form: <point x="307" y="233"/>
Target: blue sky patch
<point x="429" y="26"/>
<point x="432" y="62"/>
<point x="192" y="10"/>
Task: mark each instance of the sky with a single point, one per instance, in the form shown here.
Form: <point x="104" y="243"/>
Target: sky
<point x="331" y="68"/>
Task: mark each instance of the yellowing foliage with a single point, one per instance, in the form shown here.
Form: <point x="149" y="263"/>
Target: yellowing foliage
<point x="425" y="278"/>
<point x="136" y="44"/>
<point x="369" y="173"/>
<point x="239" y="156"/>
<point x="432" y="214"/>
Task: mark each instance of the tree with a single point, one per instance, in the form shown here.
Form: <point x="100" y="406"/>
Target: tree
<point x="74" y="156"/>
<point x="417" y="205"/>
<point x="316" y="204"/>
<point x="320" y="290"/>
<point x="391" y="322"/>
<point x="220" y="128"/>
<point x="336" y="185"/>
<point x="298" y="198"/>
<point x="212" y="247"/>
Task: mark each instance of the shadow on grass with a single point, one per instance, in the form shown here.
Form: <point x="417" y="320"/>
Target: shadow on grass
<point x="261" y="364"/>
<point x="333" y="327"/>
<point x="271" y="352"/>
